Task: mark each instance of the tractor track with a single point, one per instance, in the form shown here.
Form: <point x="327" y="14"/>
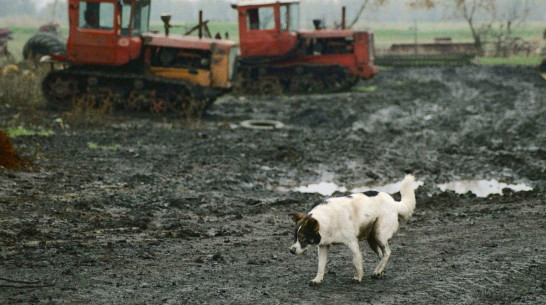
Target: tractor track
<point x="63" y="88"/>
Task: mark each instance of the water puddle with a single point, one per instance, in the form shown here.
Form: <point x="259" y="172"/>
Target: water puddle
<point x="328" y="188"/>
<point x="323" y="188"/>
<point x="482" y="188"/>
<point x="389" y="188"/>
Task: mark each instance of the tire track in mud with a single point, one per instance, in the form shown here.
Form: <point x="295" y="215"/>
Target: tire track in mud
<point x="175" y="214"/>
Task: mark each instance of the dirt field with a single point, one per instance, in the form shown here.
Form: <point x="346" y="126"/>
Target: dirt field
<point x="152" y="210"/>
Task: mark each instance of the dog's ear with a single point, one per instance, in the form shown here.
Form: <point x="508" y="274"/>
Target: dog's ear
<point x="296" y="217"/>
<point x="314" y="224"/>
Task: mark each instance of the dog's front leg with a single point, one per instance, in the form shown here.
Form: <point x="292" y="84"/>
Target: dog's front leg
<point x="357" y="260"/>
<point x="322" y="257"/>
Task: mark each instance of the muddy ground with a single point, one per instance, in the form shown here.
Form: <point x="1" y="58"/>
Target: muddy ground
<point x="152" y="210"/>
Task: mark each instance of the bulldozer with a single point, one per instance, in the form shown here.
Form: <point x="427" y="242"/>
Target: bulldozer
<point x="278" y="57"/>
<point x="111" y="55"/>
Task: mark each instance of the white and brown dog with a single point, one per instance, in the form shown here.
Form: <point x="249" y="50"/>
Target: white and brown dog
<point x="344" y="220"/>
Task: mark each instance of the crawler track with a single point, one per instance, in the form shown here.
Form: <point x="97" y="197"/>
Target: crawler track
<point x="130" y="91"/>
<point x="268" y="79"/>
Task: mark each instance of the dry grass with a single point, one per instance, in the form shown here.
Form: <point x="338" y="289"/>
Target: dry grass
<point x="89" y="111"/>
<point x="20" y="92"/>
<point x="20" y="86"/>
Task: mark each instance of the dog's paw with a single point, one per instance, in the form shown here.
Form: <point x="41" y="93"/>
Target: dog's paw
<point x="315" y="282"/>
<point x="357" y="279"/>
<point x="377" y="276"/>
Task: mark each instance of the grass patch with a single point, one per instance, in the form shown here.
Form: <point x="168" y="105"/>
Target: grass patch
<point x="512" y="60"/>
<point x="23" y="131"/>
<point x="92" y="145"/>
<point x="386" y="34"/>
<point x="365" y="89"/>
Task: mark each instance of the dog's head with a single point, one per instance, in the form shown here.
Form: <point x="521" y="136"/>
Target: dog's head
<point x="306" y="233"/>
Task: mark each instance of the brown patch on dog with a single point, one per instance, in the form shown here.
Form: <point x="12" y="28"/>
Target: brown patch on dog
<point x="366" y="231"/>
<point x="307" y="231"/>
<point x="297" y="217"/>
<point x="8" y="155"/>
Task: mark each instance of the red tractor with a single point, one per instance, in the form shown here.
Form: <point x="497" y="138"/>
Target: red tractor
<point x="111" y="55"/>
<point x="278" y="57"/>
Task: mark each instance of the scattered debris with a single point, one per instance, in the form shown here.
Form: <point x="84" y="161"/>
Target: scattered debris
<point x="262" y="124"/>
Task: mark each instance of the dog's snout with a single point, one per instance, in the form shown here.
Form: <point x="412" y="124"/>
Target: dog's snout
<point x="293" y="250"/>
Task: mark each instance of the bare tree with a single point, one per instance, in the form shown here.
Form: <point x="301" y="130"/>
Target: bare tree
<point x="494" y="22"/>
<point x="466" y="9"/>
<point x="512" y="16"/>
<point x="363" y="6"/>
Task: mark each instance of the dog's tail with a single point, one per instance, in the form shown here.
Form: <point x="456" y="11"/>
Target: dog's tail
<point x="407" y="204"/>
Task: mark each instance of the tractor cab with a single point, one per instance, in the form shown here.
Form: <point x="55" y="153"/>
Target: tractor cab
<point x="267" y="28"/>
<point x="106" y="32"/>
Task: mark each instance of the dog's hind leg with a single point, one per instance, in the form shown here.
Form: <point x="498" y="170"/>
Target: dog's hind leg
<point x="384" y="230"/>
<point x="374" y="246"/>
<point x="384" y="259"/>
<point x="322" y="258"/>
<point x="357" y="259"/>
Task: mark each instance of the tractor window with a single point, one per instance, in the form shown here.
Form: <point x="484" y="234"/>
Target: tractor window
<point x="293" y="17"/>
<point x="142" y="17"/>
<point x="290" y="17"/>
<point x="284" y="18"/>
<point x="94" y="15"/>
<point x="125" y="18"/>
<point x="262" y="18"/>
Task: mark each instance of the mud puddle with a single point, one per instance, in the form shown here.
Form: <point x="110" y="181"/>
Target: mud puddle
<point x="482" y="188"/>
<point x="327" y="188"/>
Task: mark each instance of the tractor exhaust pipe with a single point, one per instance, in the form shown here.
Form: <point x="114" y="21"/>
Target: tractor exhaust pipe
<point x="200" y="24"/>
<point x="317" y="23"/>
<point x="166" y="18"/>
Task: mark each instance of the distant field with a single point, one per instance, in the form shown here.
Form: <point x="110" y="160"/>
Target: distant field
<point x="533" y="60"/>
<point x="20" y="36"/>
<point x="216" y="27"/>
<point x="385" y="35"/>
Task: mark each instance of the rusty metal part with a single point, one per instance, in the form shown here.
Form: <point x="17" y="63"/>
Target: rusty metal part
<point x="292" y="79"/>
<point x="157" y="104"/>
<point x="134" y="102"/>
<point x="270" y="85"/>
<point x="62" y="89"/>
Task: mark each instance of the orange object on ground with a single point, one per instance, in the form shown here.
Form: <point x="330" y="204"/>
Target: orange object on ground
<point x="8" y="155"/>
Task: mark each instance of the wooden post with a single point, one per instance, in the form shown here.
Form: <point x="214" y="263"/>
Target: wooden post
<point x="343" y="18"/>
